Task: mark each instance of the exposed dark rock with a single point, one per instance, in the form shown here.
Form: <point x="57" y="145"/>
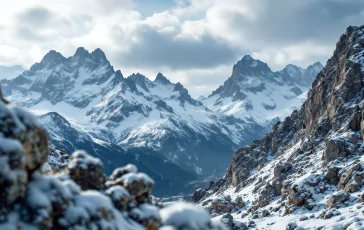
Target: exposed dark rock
<point x="334" y="149"/>
<point x="331" y="175"/>
<point x="86" y="171"/>
<point x="198" y="195"/>
<point x="336" y="199"/>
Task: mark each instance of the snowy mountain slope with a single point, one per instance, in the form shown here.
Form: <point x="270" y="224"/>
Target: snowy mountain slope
<point x="77" y="195"/>
<point x="255" y="92"/>
<point x="134" y="113"/>
<point x="10" y="72"/>
<point x="308" y="171"/>
<point x="65" y="136"/>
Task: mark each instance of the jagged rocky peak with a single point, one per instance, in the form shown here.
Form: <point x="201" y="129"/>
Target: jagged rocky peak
<point x="184" y="95"/>
<point x="97" y="56"/>
<point x="140" y="80"/>
<point x="81" y="52"/>
<point x="138" y="77"/>
<point x="292" y="71"/>
<point x="309" y="168"/>
<point x="50" y="60"/>
<point x="118" y="77"/>
<point x="249" y="66"/>
<point x="300" y="76"/>
<point x="162" y="79"/>
<point x="317" y="66"/>
<point x="53" y="56"/>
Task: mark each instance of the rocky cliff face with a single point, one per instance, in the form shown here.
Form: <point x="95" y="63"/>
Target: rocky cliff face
<point x="77" y="195"/>
<point x="308" y="170"/>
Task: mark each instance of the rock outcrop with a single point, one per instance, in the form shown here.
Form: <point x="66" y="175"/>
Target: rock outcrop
<point x="313" y="160"/>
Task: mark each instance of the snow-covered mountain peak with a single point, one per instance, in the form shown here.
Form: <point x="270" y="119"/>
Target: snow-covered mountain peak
<point x="249" y="66"/>
<point x="132" y="113"/>
<point x="317" y="65"/>
<point x="162" y="79"/>
<point x="255" y="92"/>
<point x="81" y="52"/>
<point x="50" y="60"/>
<point x="97" y="56"/>
<point x="293" y="71"/>
<point x="53" y="56"/>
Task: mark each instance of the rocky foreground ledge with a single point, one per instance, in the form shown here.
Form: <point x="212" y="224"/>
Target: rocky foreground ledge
<point x="77" y="195"/>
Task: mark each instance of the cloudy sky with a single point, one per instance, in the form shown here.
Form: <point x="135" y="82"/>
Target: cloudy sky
<point x="195" y="42"/>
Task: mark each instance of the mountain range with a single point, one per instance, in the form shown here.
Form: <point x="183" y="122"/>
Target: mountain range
<point x="255" y="92"/>
<point x="10" y="72"/>
<point x="85" y="104"/>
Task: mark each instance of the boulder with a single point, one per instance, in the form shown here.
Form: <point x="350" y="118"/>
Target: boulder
<point x="147" y="215"/>
<point x="331" y="175"/>
<point x="291" y="226"/>
<point x="298" y="195"/>
<point x="330" y="213"/>
<point x="198" y="195"/>
<point x="223" y="204"/>
<point x="138" y="185"/>
<point x="86" y="171"/>
<point x="44" y="214"/>
<point x="13" y="176"/>
<point x="333" y="149"/>
<point x="119" y="172"/>
<point x="337" y="198"/>
<point x="346" y="174"/>
<point x="17" y="124"/>
<point x="266" y="195"/>
<point x="265" y="213"/>
<point x="361" y="198"/>
<point x="239" y="202"/>
<point x="227" y="219"/>
<point x="119" y="196"/>
<point x="355" y="183"/>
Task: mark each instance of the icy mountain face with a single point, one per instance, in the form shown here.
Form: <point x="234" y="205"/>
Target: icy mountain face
<point x="10" y="72"/>
<point x="308" y="171"/>
<point x="134" y="113"/>
<point x="255" y="92"/>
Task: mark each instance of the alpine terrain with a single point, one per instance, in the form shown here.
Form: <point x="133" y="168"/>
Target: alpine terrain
<point x="308" y="171"/>
<point x="85" y="104"/>
<point x="77" y="195"/>
<point x="255" y="93"/>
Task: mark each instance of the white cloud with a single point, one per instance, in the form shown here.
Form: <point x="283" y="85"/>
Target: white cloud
<point x="193" y="41"/>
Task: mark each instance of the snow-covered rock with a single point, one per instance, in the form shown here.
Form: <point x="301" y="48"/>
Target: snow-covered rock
<point x="308" y="170"/>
